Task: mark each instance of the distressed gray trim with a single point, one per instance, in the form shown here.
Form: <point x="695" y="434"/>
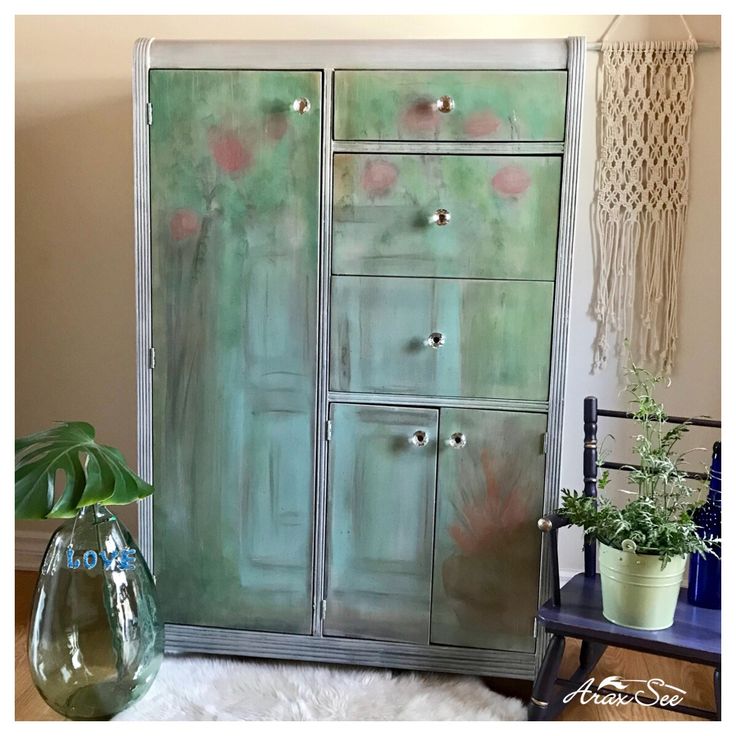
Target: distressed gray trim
<point x="144" y="373"/>
<point x="318" y="583"/>
<point x="410" y="400"/>
<point x="180" y="638"/>
<point x="416" y="54"/>
<point x="449" y="148"/>
<point x="561" y="317"/>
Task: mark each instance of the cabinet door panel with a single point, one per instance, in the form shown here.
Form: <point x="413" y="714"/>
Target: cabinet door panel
<point x="503" y="216"/>
<point x="497" y="337"/>
<point x="235" y="209"/>
<point x="380" y="523"/>
<point x="487" y="546"/>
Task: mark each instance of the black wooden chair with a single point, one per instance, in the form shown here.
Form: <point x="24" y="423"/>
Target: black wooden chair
<point x="575" y="610"/>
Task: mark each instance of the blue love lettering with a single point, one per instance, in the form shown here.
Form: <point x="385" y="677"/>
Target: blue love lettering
<point x="127" y="559"/>
<point x="123" y="559"/>
<point x="70" y="561"/>
<point x="108" y="560"/>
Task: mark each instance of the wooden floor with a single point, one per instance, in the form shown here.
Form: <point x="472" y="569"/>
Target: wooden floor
<point x="695" y="679"/>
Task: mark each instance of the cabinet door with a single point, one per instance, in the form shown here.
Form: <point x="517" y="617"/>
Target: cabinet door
<point x="235" y="210"/>
<point x="487" y="546"/>
<point x="381" y="492"/>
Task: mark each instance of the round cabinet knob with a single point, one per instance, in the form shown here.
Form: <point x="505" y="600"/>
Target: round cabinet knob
<point x="445" y="104"/>
<point x="419" y="439"/>
<point x="457" y="440"/>
<point x="301" y="105"/>
<point x="441" y="217"/>
<point x="435" y="340"/>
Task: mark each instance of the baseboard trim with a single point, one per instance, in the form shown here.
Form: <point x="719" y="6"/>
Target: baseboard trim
<point x="29" y="548"/>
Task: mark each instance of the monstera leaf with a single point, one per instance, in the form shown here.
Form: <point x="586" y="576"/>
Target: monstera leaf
<point x="92" y="473"/>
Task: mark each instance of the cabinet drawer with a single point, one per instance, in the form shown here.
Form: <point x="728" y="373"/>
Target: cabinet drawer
<point x="492" y="337"/>
<point x="486" y="553"/>
<point x="380" y="522"/>
<point x="479" y="105"/>
<point x="503" y="213"/>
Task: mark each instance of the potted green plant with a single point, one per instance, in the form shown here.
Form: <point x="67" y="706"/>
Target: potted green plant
<point x="95" y="640"/>
<point x="645" y="541"/>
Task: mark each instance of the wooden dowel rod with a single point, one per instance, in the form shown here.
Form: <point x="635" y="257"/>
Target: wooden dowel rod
<point x="702" y="45"/>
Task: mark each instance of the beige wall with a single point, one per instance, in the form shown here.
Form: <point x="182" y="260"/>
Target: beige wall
<point x="75" y="310"/>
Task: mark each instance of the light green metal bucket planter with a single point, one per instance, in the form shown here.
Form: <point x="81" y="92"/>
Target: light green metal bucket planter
<point x="637" y="592"/>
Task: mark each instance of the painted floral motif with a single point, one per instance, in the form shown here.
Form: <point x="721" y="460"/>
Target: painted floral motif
<point x="378" y="177"/>
<point x="511" y="181"/>
<point x="184" y="224"/>
<point x="489" y="521"/>
<point x="422" y="117"/>
<point x="481" y="124"/>
<point x="229" y="152"/>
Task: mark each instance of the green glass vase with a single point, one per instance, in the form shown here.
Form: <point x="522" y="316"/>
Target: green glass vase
<point x="95" y="640"/>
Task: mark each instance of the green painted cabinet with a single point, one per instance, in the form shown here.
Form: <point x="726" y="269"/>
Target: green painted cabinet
<point x="235" y="197"/>
<point x="441" y="337"/>
<point x="354" y="265"/>
<point x="499" y="216"/>
<point x="380" y="522"/>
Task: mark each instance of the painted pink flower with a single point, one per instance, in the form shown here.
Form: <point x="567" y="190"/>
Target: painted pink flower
<point x="276" y="126"/>
<point x="229" y="152"/>
<point x="183" y="224"/>
<point x="378" y="177"/>
<point x="481" y="124"/>
<point x="421" y="117"/>
<point x="511" y="181"/>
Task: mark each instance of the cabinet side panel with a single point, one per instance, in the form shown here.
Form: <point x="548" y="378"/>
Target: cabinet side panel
<point x="489" y="496"/>
<point x="235" y="210"/>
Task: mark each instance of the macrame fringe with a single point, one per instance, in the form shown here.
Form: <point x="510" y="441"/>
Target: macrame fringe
<point x="640" y="207"/>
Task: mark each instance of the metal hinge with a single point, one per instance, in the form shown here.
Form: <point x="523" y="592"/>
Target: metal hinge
<point x="328" y="430"/>
<point x="151" y="358"/>
<point x="544" y="443"/>
<point x="534" y="634"/>
<point x="322" y="610"/>
<point x="149" y="113"/>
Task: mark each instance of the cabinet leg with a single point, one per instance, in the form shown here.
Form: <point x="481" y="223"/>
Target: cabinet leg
<point x="541" y="706"/>
<point x="717" y="690"/>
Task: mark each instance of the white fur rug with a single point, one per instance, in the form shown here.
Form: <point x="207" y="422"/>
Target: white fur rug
<point x="222" y="689"/>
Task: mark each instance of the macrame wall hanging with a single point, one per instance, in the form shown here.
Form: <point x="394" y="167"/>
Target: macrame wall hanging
<point x="641" y="196"/>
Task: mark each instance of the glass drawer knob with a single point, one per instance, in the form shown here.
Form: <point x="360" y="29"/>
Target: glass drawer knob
<point x="301" y="105"/>
<point x="419" y="439"/>
<point x="441" y="217"/>
<point x="435" y="340"/>
<point x="457" y="440"/>
<point x="445" y="104"/>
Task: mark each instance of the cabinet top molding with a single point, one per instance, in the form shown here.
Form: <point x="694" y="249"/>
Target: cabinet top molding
<point x="522" y="54"/>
